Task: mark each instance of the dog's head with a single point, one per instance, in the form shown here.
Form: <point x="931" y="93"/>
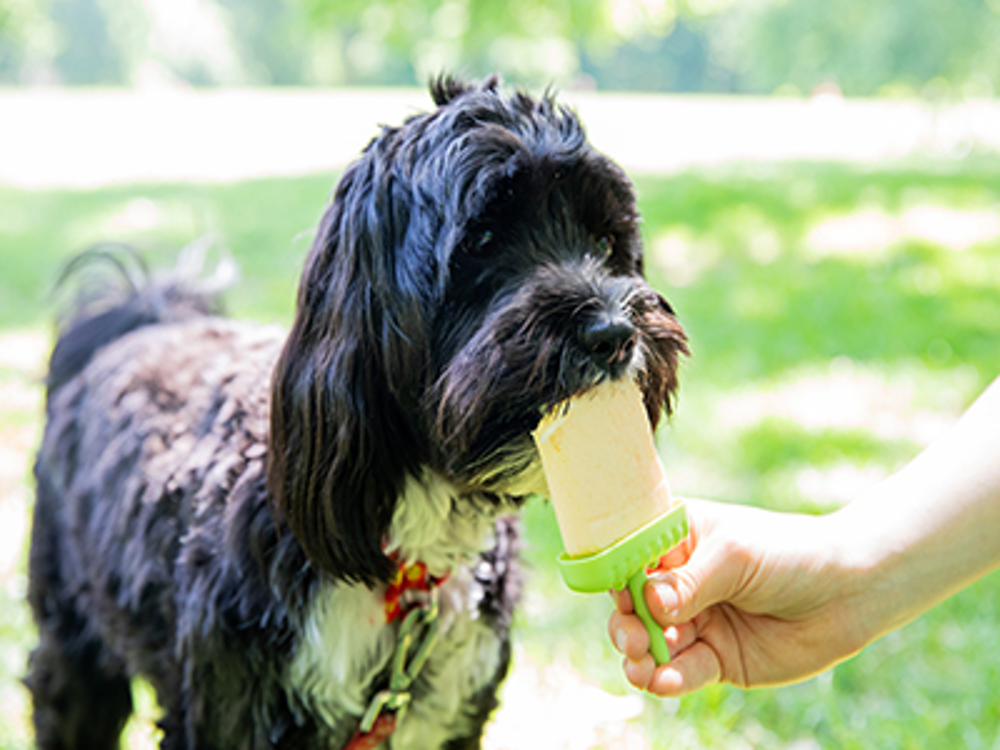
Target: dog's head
<point x="477" y="264"/>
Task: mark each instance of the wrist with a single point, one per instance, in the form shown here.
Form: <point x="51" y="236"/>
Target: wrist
<point x="892" y="557"/>
<point x="928" y="530"/>
<point x="866" y="570"/>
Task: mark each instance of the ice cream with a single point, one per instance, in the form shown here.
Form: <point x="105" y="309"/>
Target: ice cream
<point x="604" y="476"/>
<point x="610" y="494"/>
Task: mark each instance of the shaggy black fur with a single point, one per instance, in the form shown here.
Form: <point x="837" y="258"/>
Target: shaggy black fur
<point x="477" y="264"/>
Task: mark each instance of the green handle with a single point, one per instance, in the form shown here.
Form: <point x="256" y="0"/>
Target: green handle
<point x="657" y="639"/>
<point x="624" y="564"/>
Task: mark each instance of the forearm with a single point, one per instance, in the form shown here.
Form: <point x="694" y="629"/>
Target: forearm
<point x="930" y="529"/>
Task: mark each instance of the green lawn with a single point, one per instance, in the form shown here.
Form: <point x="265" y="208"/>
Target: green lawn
<point x="839" y="317"/>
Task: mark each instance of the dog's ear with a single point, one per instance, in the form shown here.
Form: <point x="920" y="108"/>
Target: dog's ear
<point x="664" y="341"/>
<point x="340" y="444"/>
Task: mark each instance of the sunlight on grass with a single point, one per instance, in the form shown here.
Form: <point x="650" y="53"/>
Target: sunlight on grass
<point x="16" y="639"/>
<point x="563" y="709"/>
<point x="869" y="235"/>
<point x="21" y="354"/>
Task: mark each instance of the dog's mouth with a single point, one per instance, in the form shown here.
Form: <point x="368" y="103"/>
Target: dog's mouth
<point x="557" y="337"/>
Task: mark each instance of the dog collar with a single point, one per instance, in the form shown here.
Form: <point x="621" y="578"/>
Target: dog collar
<point x="406" y="587"/>
<point x="412" y="595"/>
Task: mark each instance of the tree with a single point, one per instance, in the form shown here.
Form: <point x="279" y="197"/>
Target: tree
<point x="25" y="31"/>
<point x="865" y="47"/>
<point x="529" y="40"/>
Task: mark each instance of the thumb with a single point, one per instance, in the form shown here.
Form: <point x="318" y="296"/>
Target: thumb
<point x="680" y="594"/>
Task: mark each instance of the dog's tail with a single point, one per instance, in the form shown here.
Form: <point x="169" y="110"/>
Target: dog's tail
<point x="110" y="291"/>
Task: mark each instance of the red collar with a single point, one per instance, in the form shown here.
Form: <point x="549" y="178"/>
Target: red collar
<point x="384" y="726"/>
<point x="409" y="577"/>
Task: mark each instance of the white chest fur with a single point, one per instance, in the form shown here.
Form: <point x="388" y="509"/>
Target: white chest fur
<point x="347" y="643"/>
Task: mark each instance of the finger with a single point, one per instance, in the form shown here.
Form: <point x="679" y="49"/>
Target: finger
<point x="629" y="635"/>
<point x="663" y="597"/>
<point x="677" y="555"/>
<point x="623" y="601"/>
<point x="694" y="668"/>
<point x="631" y="638"/>
<point x="640" y="672"/>
<point x="680" y="637"/>
<point x="680" y="594"/>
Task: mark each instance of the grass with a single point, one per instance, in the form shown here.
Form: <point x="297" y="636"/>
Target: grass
<point x="839" y="316"/>
<point x="267" y="226"/>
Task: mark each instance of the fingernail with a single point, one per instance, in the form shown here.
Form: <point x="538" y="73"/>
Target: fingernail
<point x="620" y="639"/>
<point x="668" y="597"/>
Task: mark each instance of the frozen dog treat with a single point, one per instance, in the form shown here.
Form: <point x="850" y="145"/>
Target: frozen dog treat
<point x="604" y="476"/>
<point x="610" y="495"/>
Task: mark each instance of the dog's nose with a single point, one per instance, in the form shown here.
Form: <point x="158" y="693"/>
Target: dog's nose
<point x="610" y="339"/>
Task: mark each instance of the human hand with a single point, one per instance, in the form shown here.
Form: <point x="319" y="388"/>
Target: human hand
<point x="755" y="598"/>
<point x="750" y="598"/>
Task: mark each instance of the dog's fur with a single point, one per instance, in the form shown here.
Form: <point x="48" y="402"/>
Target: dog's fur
<point x="220" y="507"/>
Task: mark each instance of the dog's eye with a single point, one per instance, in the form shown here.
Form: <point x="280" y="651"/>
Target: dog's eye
<point x="605" y="245"/>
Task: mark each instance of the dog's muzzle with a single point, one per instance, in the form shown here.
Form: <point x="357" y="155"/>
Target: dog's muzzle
<point x="610" y="339"/>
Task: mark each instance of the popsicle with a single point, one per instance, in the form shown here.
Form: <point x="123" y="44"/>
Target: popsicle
<point x="612" y="501"/>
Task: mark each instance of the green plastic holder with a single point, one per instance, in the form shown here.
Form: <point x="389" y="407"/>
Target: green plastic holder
<point x="624" y="564"/>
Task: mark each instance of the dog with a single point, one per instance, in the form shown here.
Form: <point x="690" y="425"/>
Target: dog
<point x="307" y="540"/>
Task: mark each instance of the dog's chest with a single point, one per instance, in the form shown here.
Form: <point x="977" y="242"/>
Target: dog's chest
<point x="347" y="647"/>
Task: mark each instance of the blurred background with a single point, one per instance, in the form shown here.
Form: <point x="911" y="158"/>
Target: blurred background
<point x="788" y="47"/>
<point x="820" y="186"/>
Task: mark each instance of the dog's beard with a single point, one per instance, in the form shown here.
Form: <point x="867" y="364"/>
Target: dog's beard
<point x="528" y="354"/>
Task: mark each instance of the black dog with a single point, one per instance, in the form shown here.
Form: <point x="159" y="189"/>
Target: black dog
<point x="304" y="541"/>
